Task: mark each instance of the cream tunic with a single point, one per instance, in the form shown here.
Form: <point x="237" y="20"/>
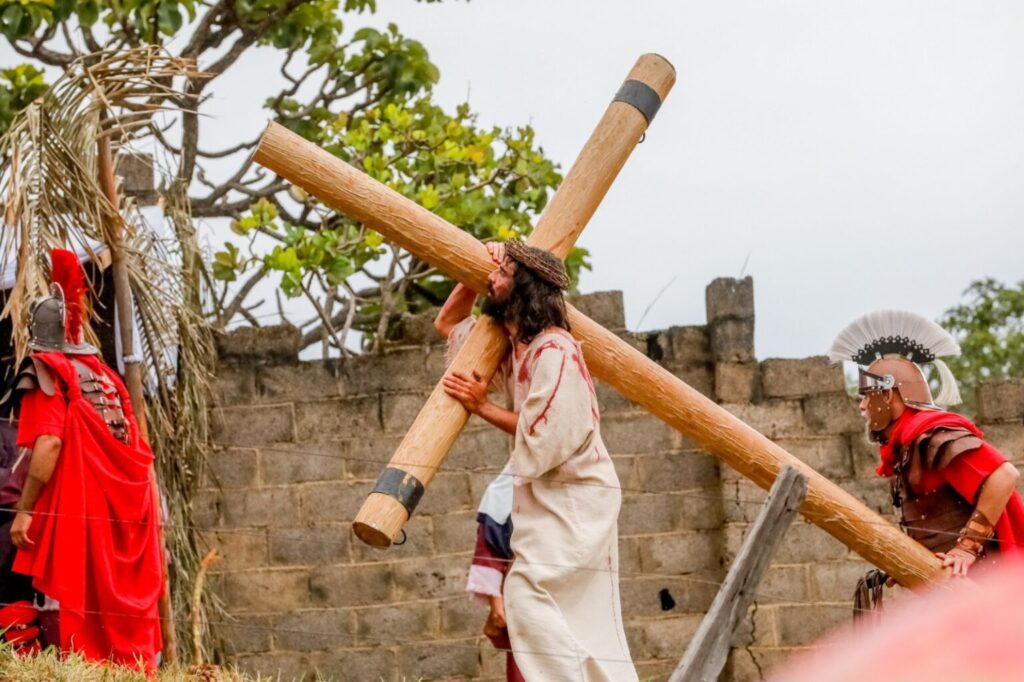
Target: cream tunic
<point x="562" y="592"/>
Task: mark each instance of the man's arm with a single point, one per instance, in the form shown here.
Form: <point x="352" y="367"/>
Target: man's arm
<point x="44" y="460"/>
<point x="995" y="493"/>
<point x="458" y="307"/>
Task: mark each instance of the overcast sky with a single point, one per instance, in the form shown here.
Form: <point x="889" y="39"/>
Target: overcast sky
<point x="848" y="156"/>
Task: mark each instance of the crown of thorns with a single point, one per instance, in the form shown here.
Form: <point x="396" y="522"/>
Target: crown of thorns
<point x="544" y="264"/>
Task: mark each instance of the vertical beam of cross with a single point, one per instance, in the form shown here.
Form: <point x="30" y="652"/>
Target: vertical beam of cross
<point x="442" y="418"/>
<point x="610" y="359"/>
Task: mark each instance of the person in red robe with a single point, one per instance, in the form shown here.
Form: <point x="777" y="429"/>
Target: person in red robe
<point x="956" y="493"/>
<point x="86" y="526"/>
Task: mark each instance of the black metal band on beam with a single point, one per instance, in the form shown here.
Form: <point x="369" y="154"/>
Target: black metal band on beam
<point x="400" y="485"/>
<point x="641" y="97"/>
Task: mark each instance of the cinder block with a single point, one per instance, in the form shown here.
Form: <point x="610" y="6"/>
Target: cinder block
<point x="455" y="532"/>
<point x="377" y="663"/>
<point x="1000" y="401"/>
<point x="786" y="378"/>
<point x="331" y="501"/>
<point x="648" y="513"/>
<point x="773" y="418"/>
<point x="406" y="369"/>
<point x="804" y="542"/>
<point x="629" y="554"/>
<point x="283" y="463"/>
<point x="285" y="665"/>
<point x="399" y="623"/>
<point x="604" y="307"/>
<point x="732" y="340"/>
<point x="314" y="629"/>
<point x="828" y="455"/>
<point x="231" y="468"/>
<point x="398" y="411"/>
<point x="675" y="472"/>
<point x="833" y="413"/>
<point x="280" y="343"/>
<point x="356" y="585"/>
<point x="301" y="381"/>
<point x="462" y="616"/>
<point x="456" y="658"/>
<point x="737" y="382"/>
<point x="367" y="455"/>
<point x="835" y="581"/>
<point x="727" y="297"/>
<point x="680" y="553"/>
<point x="638" y="434"/>
<point x="803" y="623"/>
<point x="610" y="401"/>
<point x="266" y="588"/>
<point x="239" y="548"/>
<point x="244" y="634"/>
<point x="690" y="345"/>
<point x="253" y="425"/>
<point x="234" y="385"/>
<point x="864" y="454"/>
<point x="483" y="449"/>
<point x="692" y="593"/>
<point x="337" y="419"/>
<point x="754" y="664"/>
<point x="310" y="546"/>
<point x="665" y="637"/>
<point x="625" y="469"/>
<point x="431" y="578"/>
<point x="785" y="583"/>
<point x="741" y="499"/>
<point x="249" y="507"/>
<point x="448" y="492"/>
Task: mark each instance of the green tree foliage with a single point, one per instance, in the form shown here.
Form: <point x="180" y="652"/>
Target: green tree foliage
<point x="18" y="86"/>
<point x="365" y="96"/>
<point x="989" y="324"/>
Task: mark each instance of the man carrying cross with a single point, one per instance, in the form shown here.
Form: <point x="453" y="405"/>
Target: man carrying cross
<point x="562" y="591"/>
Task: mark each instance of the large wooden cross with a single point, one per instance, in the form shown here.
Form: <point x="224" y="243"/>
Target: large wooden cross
<point x="463" y="258"/>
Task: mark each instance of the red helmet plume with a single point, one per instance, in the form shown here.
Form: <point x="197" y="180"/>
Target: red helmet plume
<point x="66" y="271"/>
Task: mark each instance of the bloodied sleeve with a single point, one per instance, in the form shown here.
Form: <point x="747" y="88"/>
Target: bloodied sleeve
<point x="558" y="418"/>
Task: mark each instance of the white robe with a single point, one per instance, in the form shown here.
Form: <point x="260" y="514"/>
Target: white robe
<point x="562" y="593"/>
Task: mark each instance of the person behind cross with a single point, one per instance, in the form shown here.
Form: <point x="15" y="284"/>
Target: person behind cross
<point x="561" y="593"/>
<point x="86" y="526"/>
<point x="955" y="493"/>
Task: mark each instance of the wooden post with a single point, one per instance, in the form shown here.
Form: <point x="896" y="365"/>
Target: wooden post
<point x="456" y="253"/>
<point x="705" y="656"/>
<point x="442" y="418"/>
<point x="133" y="369"/>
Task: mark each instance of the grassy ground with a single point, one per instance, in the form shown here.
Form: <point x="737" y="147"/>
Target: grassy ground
<point x="50" y="667"/>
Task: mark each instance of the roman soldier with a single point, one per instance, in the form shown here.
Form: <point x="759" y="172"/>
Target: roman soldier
<point x="956" y="494"/>
<point x="86" y="522"/>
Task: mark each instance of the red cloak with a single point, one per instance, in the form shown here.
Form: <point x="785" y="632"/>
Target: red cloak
<point x="97" y="543"/>
<point x="965" y="473"/>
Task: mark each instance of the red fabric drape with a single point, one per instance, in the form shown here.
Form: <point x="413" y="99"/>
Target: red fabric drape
<point x="97" y="547"/>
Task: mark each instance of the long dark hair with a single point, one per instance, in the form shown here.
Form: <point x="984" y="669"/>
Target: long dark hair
<point x="534" y="305"/>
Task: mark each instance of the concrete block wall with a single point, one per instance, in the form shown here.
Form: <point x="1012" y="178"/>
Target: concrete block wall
<point x="298" y="445"/>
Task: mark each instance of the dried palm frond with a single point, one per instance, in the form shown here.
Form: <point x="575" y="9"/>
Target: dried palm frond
<point x="50" y="180"/>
